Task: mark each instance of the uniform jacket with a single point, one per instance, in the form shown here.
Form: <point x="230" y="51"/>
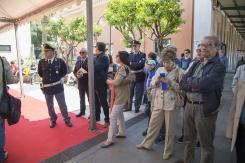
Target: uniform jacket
<point x="8" y="75"/>
<point x="84" y="64"/>
<point x="137" y="62"/>
<point x="52" y="73"/>
<point x="239" y="76"/>
<point x="210" y="84"/>
<point x="235" y="113"/>
<point x="166" y="99"/>
<point x="101" y="66"/>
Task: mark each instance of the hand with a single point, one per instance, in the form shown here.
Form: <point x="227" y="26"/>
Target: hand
<point x="109" y="81"/>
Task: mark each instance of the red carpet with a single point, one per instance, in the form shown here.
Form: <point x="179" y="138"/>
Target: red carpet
<point x="31" y="140"/>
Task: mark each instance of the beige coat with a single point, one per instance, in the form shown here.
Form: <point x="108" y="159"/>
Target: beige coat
<point x="166" y="100"/>
<point x="122" y="86"/>
<point x="235" y="113"/>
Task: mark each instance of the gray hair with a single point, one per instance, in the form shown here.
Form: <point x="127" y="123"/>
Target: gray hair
<point x="217" y="43"/>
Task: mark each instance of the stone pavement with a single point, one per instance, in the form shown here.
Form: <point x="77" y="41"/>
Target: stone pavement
<point x="124" y="151"/>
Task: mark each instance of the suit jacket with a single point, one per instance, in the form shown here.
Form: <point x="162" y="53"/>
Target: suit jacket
<point x="101" y="66"/>
<point x="235" y="113"/>
<point x="84" y="79"/>
<point x="51" y="73"/>
<point x="137" y="62"/>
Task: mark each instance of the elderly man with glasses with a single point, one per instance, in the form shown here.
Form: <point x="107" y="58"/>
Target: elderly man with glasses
<point x="203" y="84"/>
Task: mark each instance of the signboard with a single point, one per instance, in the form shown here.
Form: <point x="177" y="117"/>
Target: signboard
<point x="5" y="48"/>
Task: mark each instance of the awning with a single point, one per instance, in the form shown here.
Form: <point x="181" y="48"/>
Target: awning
<point x="235" y="11"/>
<point x="21" y="11"/>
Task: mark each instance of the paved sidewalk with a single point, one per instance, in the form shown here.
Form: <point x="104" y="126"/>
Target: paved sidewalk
<point x="124" y="151"/>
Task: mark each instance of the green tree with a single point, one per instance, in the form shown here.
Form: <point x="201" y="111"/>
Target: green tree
<point x="69" y="35"/>
<point x="36" y="37"/>
<point x="154" y="18"/>
<point x="160" y="18"/>
<point x="123" y="16"/>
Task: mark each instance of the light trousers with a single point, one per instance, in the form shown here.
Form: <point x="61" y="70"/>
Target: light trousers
<point x="116" y="118"/>
<point x="157" y="118"/>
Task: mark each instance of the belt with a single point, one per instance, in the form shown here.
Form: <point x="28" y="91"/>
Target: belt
<point x="194" y="102"/>
<point x="51" y="84"/>
<point x="242" y="126"/>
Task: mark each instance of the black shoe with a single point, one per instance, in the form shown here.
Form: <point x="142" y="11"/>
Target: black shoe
<point x="180" y="140"/>
<point x="160" y="138"/>
<point x="198" y="144"/>
<point x="5" y="155"/>
<point x="52" y="124"/>
<point x="80" y="114"/>
<point x="144" y="133"/>
<point x="68" y="123"/>
<point x="136" y="111"/>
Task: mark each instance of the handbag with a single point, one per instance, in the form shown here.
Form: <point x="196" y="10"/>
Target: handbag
<point x="180" y="94"/>
<point x="10" y="107"/>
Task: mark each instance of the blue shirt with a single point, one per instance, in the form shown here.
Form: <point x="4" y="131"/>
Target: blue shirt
<point x="224" y="60"/>
<point x="242" y="117"/>
<point x="185" y="62"/>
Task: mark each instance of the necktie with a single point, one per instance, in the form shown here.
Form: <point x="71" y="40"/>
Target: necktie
<point x="49" y="62"/>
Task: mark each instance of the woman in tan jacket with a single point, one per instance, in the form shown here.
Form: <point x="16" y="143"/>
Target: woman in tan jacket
<point x="122" y="94"/>
<point x="236" y="124"/>
<point x="164" y="109"/>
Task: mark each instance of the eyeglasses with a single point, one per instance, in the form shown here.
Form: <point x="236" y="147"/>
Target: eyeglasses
<point x="207" y="45"/>
<point x="47" y="50"/>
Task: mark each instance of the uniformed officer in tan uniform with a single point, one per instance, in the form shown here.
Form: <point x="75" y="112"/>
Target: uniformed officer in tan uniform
<point x="52" y="70"/>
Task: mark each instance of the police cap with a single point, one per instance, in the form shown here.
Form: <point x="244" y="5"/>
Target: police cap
<point x="47" y="46"/>
<point x="135" y="42"/>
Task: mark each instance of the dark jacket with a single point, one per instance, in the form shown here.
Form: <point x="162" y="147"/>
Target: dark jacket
<point x="101" y="66"/>
<point x="84" y="64"/>
<point x="52" y="73"/>
<point x="137" y="62"/>
<point x="210" y="84"/>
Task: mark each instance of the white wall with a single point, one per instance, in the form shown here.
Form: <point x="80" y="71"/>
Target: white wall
<point x="202" y="20"/>
<point x="24" y="40"/>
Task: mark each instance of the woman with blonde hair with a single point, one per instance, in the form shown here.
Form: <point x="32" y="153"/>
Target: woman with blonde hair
<point x="166" y="83"/>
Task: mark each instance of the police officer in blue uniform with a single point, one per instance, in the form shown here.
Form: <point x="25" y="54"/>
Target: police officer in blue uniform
<point x="52" y="70"/>
<point x="137" y="63"/>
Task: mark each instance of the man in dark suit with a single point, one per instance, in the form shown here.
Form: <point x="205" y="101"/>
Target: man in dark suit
<point x="52" y="70"/>
<point x="101" y="66"/>
<point x="137" y="64"/>
<point x="80" y="71"/>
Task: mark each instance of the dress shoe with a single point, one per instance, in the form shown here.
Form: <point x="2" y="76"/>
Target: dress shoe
<point x="121" y="136"/>
<point x="140" y="146"/>
<point x="179" y="161"/>
<point x="144" y="133"/>
<point x="180" y="140"/>
<point x="160" y="138"/>
<point x="106" y="124"/>
<point x="136" y="111"/>
<point x="5" y="157"/>
<point x="166" y="157"/>
<point x="107" y="144"/>
<point x="80" y="114"/>
<point x="68" y="123"/>
<point x="52" y="124"/>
